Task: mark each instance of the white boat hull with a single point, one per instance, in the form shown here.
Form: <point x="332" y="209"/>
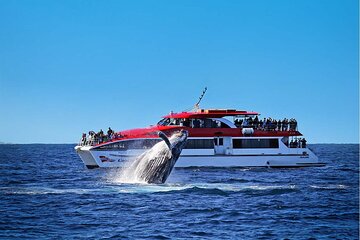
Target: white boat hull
<point x="300" y="157"/>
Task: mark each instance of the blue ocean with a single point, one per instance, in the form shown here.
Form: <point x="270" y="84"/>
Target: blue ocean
<point x="46" y="193"/>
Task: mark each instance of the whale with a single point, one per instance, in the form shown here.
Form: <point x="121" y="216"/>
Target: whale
<point x="155" y="165"/>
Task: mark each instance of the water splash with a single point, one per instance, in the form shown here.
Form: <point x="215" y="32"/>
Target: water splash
<point x="131" y="174"/>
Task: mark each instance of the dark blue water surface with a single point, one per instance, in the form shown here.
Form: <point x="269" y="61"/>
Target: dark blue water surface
<point x="45" y="192"/>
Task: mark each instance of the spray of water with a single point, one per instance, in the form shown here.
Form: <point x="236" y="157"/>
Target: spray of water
<point x="130" y="173"/>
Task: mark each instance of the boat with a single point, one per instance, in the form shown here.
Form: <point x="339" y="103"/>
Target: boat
<point x="217" y="138"/>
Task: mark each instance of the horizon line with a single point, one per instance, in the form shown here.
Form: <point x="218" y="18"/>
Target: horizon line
<point x="6" y="143"/>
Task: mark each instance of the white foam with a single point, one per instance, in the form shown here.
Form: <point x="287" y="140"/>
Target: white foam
<point x="130" y="174"/>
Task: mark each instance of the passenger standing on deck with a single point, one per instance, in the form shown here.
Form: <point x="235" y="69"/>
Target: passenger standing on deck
<point x="303" y="143"/>
<point x="186" y="122"/>
<point x="91" y="137"/>
<point x="244" y="123"/>
<point x="256" y="122"/>
<point x="279" y="125"/>
<point x="264" y="124"/>
<point x="83" y="139"/>
<point x="110" y="132"/>
<point x="236" y="122"/>
<point x="296" y="143"/>
<point x="250" y="121"/>
<point x="268" y="123"/>
<point x="100" y="135"/>
<point x="285" y="124"/>
<point x="274" y="125"/>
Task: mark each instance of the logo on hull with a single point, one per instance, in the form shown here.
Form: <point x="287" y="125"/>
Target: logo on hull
<point x="106" y="159"/>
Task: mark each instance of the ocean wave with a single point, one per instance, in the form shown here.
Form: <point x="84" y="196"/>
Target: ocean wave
<point x="44" y="191"/>
<point x="201" y="188"/>
<point x="209" y="189"/>
<point x="329" y="187"/>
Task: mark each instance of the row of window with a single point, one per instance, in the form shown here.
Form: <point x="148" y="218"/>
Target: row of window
<point x="194" y="144"/>
<point x="255" y="143"/>
<point x="199" y="144"/>
<point x="193" y="123"/>
<point x="130" y="144"/>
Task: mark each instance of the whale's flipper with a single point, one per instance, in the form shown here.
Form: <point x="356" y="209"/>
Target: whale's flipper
<point x="165" y="138"/>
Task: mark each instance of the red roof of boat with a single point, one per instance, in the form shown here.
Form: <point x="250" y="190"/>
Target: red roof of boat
<point x="152" y="132"/>
<point x="211" y="113"/>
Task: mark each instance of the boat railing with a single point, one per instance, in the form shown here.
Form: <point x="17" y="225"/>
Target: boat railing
<point x="271" y="127"/>
<point x="90" y="142"/>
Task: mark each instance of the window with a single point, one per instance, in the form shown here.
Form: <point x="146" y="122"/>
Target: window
<point x="206" y="123"/>
<point x="199" y="144"/>
<point x="285" y="140"/>
<point x="164" y="122"/>
<point x="130" y="144"/>
<point x="223" y="125"/>
<point x="255" y="143"/>
<point x="221" y="141"/>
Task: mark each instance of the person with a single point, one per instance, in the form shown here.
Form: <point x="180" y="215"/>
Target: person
<point x="100" y="135"/>
<point x="236" y="122"/>
<point x="186" y="122"/>
<point x="256" y="122"/>
<point x="250" y="121"/>
<point x="274" y="122"/>
<point x="296" y="143"/>
<point x="110" y="132"/>
<point x="196" y="123"/>
<point x="264" y="124"/>
<point x="268" y="124"/>
<point x="291" y="143"/>
<point x="218" y="124"/>
<point x="279" y="125"/>
<point x="83" y="139"/>
<point x="91" y="137"/>
<point x="244" y="123"/>
<point x="285" y="124"/>
<point x="303" y="143"/>
<point x="291" y="124"/>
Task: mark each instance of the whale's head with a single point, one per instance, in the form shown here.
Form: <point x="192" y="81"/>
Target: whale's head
<point x="176" y="142"/>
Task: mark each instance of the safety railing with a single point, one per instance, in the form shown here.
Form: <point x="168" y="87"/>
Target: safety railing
<point x="269" y="127"/>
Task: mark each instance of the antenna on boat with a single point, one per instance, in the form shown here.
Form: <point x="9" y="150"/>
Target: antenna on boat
<point x="196" y="106"/>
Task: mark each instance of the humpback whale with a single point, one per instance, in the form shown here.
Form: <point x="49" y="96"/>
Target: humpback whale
<point x="156" y="164"/>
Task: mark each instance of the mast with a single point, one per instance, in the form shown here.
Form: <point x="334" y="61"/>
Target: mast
<point x="197" y="105"/>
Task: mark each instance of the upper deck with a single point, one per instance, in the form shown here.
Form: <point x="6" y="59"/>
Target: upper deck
<point x="207" y="123"/>
<point x="211" y="113"/>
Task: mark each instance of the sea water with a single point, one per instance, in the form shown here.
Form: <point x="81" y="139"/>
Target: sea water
<point x="46" y="193"/>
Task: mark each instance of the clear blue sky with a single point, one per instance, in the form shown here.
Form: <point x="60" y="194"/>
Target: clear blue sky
<point x="70" y="66"/>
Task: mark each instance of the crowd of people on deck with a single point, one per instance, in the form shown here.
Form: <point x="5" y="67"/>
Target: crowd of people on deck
<point x="267" y="124"/>
<point x="298" y="143"/>
<point x="99" y="137"/>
